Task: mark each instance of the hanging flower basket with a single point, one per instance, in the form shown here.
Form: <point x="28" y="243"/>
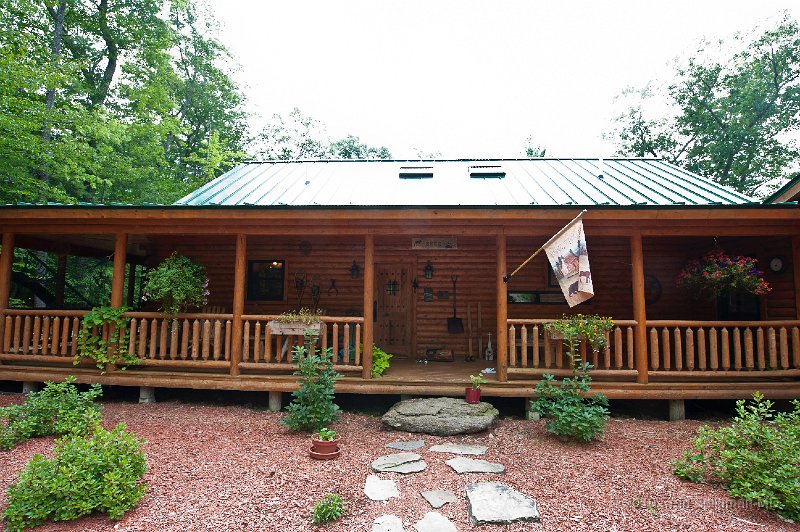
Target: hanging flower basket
<point x="717" y="274"/>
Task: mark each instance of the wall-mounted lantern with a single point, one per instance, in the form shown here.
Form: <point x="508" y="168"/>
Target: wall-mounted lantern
<point x="355" y="270"/>
<point x="428" y="270"/>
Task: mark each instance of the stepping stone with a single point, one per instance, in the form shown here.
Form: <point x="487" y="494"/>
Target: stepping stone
<point x="434" y="522"/>
<point x="438" y="498"/>
<point x="387" y="523"/>
<point x="399" y="463"/>
<point x="496" y="503"/>
<point x="440" y="416"/>
<point x="380" y="490"/>
<point x="469" y="465"/>
<point x="406" y="445"/>
<point x="459" y="448"/>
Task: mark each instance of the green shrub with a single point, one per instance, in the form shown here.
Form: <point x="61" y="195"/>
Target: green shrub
<point x="380" y="361"/>
<point x="57" y="410"/>
<point x="110" y="350"/>
<point x="178" y="283"/>
<point x="86" y="475"/>
<point x="328" y="510"/>
<point x="312" y="406"/>
<point x="756" y="457"/>
<point x="570" y="410"/>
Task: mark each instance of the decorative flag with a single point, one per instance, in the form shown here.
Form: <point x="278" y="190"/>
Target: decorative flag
<point x="569" y="259"/>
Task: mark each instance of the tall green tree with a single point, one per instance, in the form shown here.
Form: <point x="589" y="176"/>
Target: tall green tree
<point x="730" y="118"/>
<point x="300" y="136"/>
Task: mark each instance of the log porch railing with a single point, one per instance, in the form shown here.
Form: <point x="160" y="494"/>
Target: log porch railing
<point x="184" y="340"/>
<point x="531" y="351"/>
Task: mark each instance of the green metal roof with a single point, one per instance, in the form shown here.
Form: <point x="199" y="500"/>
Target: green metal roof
<point x="463" y="182"/>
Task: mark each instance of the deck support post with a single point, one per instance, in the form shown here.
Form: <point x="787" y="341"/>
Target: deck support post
<point x="29" y="386"/>
<point x="147" y="394"/>
<point x="677" y="410"/>
<point x="275" y="399"/>
<point x="118" y="278"/>
<point x="796" y="272"/>
<point x="240" y="267"/>
<point x="639" y="310"/>
<point x="61" y="279"/>
<point x="369" y="297"/>
<point x="502" y="310"/>
<point x="6" y="266"/>
<point x="530" y="412"/>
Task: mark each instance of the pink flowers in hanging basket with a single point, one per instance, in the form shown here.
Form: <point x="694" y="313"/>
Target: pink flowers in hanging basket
<point x="717" y="273"/>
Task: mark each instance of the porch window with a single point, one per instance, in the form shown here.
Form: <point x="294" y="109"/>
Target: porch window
<point x="266" y="280"/>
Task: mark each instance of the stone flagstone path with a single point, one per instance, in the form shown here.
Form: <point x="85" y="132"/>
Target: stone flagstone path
<point x="487" y="502"/>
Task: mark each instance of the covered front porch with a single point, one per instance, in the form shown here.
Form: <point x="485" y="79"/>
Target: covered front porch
<point x="392" y="284"/>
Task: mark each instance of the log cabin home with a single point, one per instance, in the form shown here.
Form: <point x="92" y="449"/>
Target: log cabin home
<point x="393" y="250"/>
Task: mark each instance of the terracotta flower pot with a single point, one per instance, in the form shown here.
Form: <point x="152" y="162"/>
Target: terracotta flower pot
<point x="324" y="449"/>
<point x="473" y="395"/>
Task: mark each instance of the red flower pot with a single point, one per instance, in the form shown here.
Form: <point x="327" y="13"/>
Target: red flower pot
<point x="324" y="449"/>
<point x="473" y="395"/>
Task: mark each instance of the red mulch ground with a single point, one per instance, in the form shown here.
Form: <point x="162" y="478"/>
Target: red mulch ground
<point x="236" y="468"/>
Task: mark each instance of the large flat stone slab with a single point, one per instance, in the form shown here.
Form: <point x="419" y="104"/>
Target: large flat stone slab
<point x="387" y="523"/>
<point x="399" y="463"/>
<point x="470" y="465"/>
<point x="438" y="498"/>
<point x="459" y="448"/>
<point x="496" y="503"/>
<point x="434" y="522"/>
<point x="441" y="416"/>
<point x="378" y="489"/>
<point x="406" y="445"/>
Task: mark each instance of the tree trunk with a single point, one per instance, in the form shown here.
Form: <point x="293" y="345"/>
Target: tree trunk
<point x="50" y="95"/>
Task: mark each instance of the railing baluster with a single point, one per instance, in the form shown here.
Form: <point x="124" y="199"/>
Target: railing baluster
<point x="689" y="349"/>
<point x="17" y="332"/>
<point x="37" y="331"/>
<point x="257" y="342"/>
<point x="772" y="343"/>
<point x="712" y="348"/>
<point x="26" y="335"/>
<point x="784" y="348"/>
<point x="726" y="349"/>
<point x="523" y="350"/>
<point x="631" y="347"/>
<point x="618" y="347"/>
<point x="228" y="340"/>
<point x="56" y="334"/>
<point x="185" y="333"/>
<point x="748" y="348"/>
<point x="607" y="352"/>
<point x="678" y="349"/>
<point x="206" y="339"/>
<point x="737" y="348"/>
<point x="173" y="342"/>
<point x="701" y="348"/>
<point x="512" y="346"/>
<point x="216" y="340"/>
<point x="268" y="344"/>
<point x="132" y="328"/>
<point x="334" y="342"/>
<point x="535" y="348"/>
<point x="162" y="344"/>
<point x="65" y="336"/>
<point x="153" y="338"/>
<point x="7" y="333"/>
<point x="195" y="338"/>
<point x="246" y="342"/>
<point x="666" y="348"/>
<point x="762" y="363"/>
<point x="357" y="358"/>
<point x="76" y="327"/>
<point x="45" y="335"/>
<point x="548" y="351"/>
<point x="654" y="352"/>
<point x="346" y="350"/>
<point x="796" y="347"/>
<point x="559" y="353"/>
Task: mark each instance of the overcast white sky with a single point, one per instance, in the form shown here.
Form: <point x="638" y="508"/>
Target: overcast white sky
<point x="467" y="78"/>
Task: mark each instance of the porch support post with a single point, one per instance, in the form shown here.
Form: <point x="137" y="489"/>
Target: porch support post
<point x="639" y="311"/>
<point x="118" y="279"/>
<point x="238" y="302"/>
<point x="61" y="278"/>
<point x="795" y="270"/>
<point x="369" y="297"/>
<point x="6" y="265"/>
<point x="502" y="310"/>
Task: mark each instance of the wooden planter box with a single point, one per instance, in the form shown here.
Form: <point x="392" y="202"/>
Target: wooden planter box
<point x="287" y="329"/>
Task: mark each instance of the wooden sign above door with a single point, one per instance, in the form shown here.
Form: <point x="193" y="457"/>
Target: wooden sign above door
<point x="434" y="242"/>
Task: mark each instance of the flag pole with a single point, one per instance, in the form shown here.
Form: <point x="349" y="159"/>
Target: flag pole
<point x="561" y="232"/>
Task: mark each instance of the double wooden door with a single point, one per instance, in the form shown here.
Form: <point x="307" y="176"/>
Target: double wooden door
<point x="394" y="309"/>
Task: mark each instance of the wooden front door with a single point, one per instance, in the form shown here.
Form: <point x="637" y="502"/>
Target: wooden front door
<point x="394" y="309"/>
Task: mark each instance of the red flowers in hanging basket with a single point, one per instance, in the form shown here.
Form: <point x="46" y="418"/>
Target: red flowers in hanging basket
<point x="717" y="274"/>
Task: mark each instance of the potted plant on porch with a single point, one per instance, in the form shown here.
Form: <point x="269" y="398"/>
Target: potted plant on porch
<point x="717" y="273"/>
<point x="324" y="444"/>
<point x="473" y="392"/>
<point x="297" y="322"/>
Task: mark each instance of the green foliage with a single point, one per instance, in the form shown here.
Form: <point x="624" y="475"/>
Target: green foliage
<point x="732" y="115"/>
<point x="312" y="406"/>
<point x="101" y="473"/>
<point x="571" y="411"/>
<point x="304" y="315"/>
<point x="326" y="434"/>
<point x="56" y="410"/>
<point x="380" y="361"/>
<point x="177" y="283"/>
<point x="104" y="338"/>
<point x="477" y="380"/>
<point x="756" y="457"/>
<point x="331" y="508"/>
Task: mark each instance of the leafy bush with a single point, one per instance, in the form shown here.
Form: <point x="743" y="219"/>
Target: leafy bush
<point x="305" y="316"/>
<point x="570" y="410"/>
<point x="58" y="409"/>
<point x="328" y="510"/>
<point x="86" y="475"/>
<point x="113" y="349"/>
<point x="178" y="283"/>
<point x="756" y="458"/>
<point x="312" y="406"/>
<point x="380" y="361"/>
